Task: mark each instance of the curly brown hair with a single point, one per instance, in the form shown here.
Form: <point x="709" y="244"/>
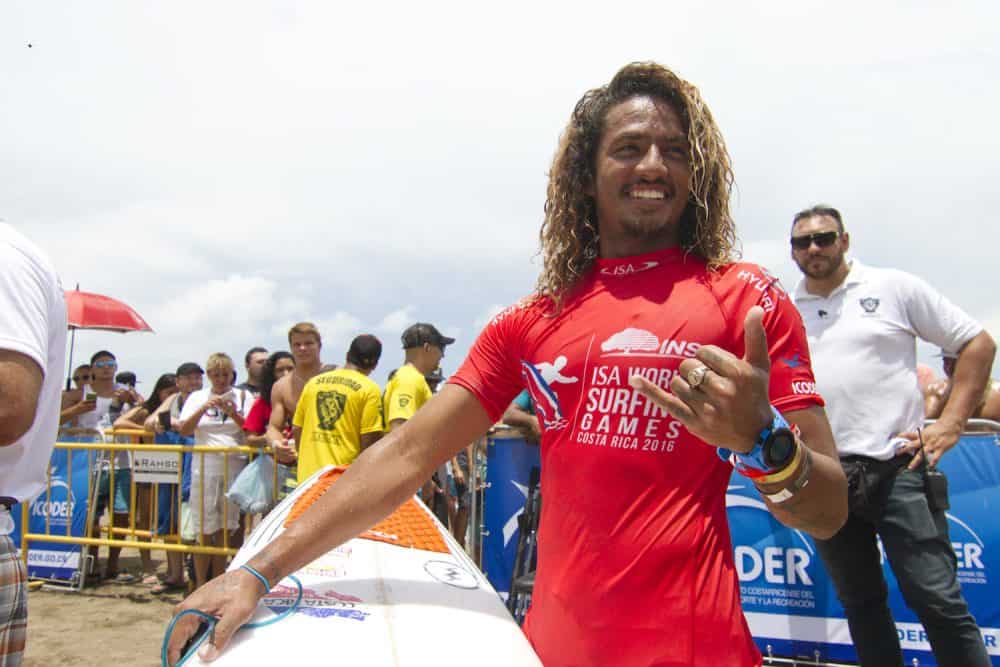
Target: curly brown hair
<point x="569" y="235"/>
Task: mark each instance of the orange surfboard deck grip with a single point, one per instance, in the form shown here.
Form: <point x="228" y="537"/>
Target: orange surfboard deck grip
<point x="409" y="526"/>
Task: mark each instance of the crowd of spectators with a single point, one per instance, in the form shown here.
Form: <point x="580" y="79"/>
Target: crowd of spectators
<point x="291" y="406"/>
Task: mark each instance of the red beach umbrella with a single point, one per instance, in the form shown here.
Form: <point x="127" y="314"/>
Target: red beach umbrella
<point x="86" y="310"/>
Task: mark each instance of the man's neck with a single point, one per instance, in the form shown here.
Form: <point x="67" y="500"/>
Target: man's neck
<point x="418" y="364"/>
<point x="103" y="386"/>
<point x="629" y="246"/>
<point x="307" y="370"/>
<point x="824" y="287"/>
<point x="348" y="366"/>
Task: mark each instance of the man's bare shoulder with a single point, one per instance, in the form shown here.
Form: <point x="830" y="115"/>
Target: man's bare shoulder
<point x="991" y="407"/>
<point x="939" y="388"/>
<point x="281" y="386"/>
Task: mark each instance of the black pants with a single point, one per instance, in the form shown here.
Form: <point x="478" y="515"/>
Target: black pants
<point x="921" y="556"/>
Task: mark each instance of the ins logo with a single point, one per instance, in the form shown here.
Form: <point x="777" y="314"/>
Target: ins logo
<point x="633" y="342"/>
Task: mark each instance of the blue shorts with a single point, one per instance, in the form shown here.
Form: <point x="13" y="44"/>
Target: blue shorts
<point x="123" y="490"/>
<point x="167" y="510"/>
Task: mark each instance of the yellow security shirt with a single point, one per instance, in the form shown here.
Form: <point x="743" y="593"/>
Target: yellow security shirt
<point x="336" y="408"/>
<point x="405" y="393"/>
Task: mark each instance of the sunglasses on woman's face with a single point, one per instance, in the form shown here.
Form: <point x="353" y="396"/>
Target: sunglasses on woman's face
<point x="81" y="378"/>
<point x="821" y="239"/>
<point x="105" y="364"/>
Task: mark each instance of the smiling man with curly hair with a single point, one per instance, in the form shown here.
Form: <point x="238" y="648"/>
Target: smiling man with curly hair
<point x="653" y="363"/>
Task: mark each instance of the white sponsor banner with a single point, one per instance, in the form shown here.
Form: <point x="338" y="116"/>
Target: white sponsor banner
<point x="835" y="631"/>
<point x="155" y="467"/>
<point x="45" y="558"/>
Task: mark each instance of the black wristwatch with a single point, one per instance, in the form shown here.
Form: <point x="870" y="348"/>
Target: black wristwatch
<point x="779" y="448"/>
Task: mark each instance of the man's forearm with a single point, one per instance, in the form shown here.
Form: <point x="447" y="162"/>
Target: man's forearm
<point x="972" y="372"/>
<point x="522" y="420"/>
<point x="379" y="481"/>
<point x="342" y="512"/>
<point x="820" y="508"/>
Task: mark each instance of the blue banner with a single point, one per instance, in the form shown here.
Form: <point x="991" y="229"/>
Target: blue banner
<point x="64" y="508"/>
<point x="790" y="602"/>
<point x="509" y="460"/>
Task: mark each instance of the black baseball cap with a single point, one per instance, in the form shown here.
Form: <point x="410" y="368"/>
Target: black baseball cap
<point x="365" y="351"/>
<point x="189" y="367"/>
<point x="422" y="332"/>
<point x="126" y="377"/>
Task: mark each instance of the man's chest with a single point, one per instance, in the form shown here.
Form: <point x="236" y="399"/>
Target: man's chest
<point x="577" y="370"/>
<point x="859" y="318"/>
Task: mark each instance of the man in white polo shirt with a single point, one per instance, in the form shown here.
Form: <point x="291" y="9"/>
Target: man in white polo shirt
<point x="862" y="324"/>
<point x="32" y="352"/>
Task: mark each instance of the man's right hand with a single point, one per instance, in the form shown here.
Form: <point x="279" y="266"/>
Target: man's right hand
<point x="231" y="598"/>
<point x="535" y="435"/>
<point x="84" y="406"/>
<point x="284" y="452"/>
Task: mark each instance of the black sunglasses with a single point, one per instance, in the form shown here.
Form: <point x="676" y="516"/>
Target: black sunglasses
<point x="821" y="239"/>
<point x="77" y="378"/>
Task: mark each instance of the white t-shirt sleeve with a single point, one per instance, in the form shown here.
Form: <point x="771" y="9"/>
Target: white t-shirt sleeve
<point x="24" y="326"/>
<point x="193" y="403"/>
<point x="934" y="318"/>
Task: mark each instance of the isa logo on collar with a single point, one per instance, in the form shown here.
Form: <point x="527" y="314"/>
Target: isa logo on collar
<point x="869" y="304"/>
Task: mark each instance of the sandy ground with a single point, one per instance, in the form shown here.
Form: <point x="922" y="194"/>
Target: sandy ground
<point x="112" y="625"/>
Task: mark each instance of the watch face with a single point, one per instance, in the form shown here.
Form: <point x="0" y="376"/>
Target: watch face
<point x="779" y="448"/>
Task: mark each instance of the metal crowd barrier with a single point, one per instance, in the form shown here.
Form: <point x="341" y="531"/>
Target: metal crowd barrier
<point x="101" y="462"/>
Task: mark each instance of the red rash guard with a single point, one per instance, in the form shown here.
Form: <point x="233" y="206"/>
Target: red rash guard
<point x="635" y="563"/>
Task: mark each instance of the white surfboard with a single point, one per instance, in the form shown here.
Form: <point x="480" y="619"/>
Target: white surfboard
<point x="382" y="600"/>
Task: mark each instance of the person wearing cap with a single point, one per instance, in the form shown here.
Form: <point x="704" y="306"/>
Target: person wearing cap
<point x="408" y="390"/>
<point x="32" y="353"/>
<point x="937" y="393"/>
<point x="862" y="323"/>
<point x="339" y="414"/>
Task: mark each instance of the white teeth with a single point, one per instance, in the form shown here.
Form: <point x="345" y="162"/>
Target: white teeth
<point x="646" y="194"/>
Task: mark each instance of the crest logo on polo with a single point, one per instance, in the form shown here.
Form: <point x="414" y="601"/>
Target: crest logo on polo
<point x="869" y="304"/>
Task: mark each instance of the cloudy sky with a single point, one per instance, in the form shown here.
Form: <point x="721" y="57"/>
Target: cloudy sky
<point x="231" y="168"/>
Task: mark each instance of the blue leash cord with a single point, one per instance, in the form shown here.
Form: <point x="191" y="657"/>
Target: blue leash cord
<point x="211" y="622"/>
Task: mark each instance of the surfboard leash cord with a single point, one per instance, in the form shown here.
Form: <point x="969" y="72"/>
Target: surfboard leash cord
<point x="210" y="621"/>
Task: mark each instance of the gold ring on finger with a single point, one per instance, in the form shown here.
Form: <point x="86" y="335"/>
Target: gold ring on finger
<point x="696" y="376"/>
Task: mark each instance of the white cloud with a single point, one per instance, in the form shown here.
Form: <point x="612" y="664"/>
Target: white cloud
<point x="397" y="320"/>
<point x="309" y="170"/>
<point x="484" y="318"/>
